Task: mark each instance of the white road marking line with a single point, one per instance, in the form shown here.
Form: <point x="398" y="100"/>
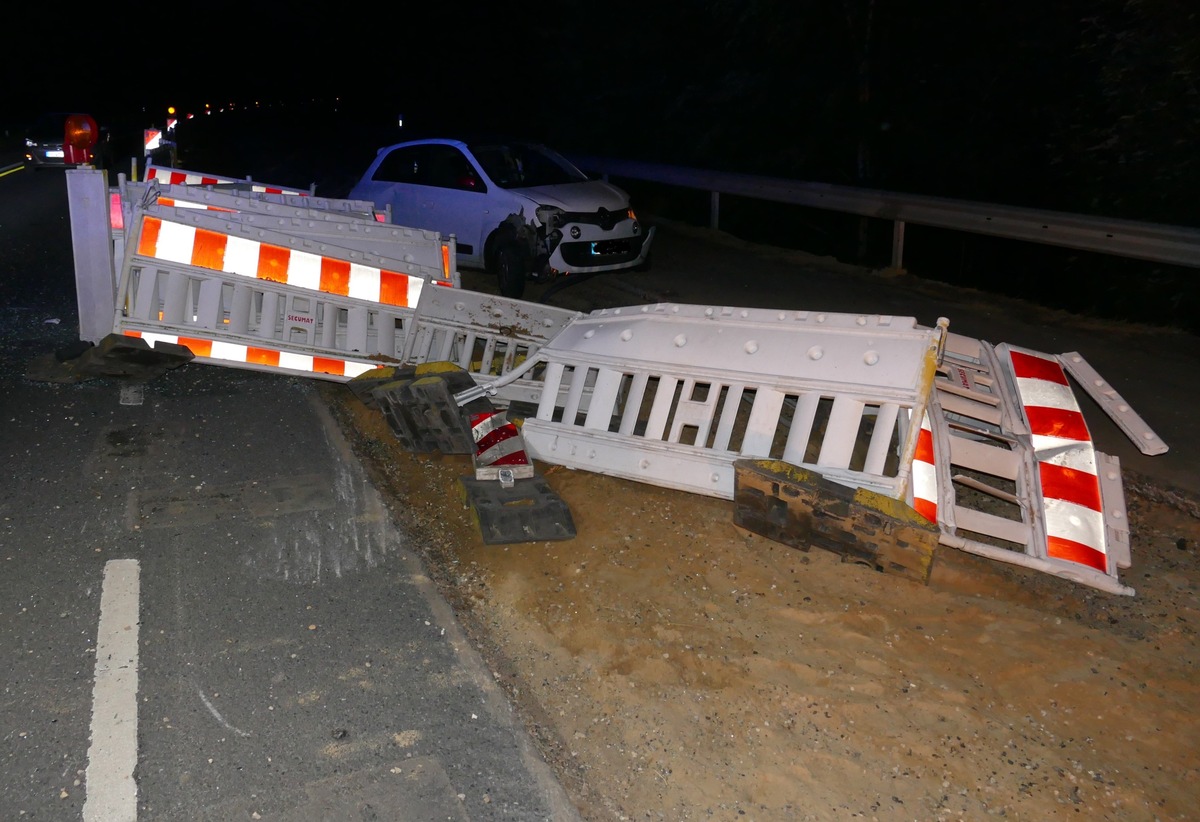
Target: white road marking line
<point x="112" y="756"/>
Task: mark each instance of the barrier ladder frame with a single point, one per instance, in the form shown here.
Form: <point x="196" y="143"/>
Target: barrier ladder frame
<point x="983" y="444"/>
<point x="212" y="300"/>
<point x="663" y="460"/>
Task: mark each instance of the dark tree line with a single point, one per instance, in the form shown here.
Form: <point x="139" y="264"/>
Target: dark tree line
<point x="1089" y="106"/>
<point x="1083" y="106"/>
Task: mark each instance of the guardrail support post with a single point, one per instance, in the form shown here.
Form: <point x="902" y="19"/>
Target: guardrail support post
<point x="898" y="245"/>
<point x="714" y="210"/>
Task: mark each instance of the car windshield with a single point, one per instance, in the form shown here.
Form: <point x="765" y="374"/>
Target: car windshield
<point x="522" y="165"/>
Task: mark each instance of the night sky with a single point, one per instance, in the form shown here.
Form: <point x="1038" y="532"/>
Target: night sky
<point x="1087" y="106"/>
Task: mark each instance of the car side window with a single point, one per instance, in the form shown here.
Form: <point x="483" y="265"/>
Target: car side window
<point x="446" y="167"/>
<point x="401" y="165"/>
<point x="429" y="165"/>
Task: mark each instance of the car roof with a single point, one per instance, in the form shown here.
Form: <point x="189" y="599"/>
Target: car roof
<point x="465" y="141"/>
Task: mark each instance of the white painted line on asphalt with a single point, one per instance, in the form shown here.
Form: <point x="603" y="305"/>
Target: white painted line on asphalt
<point x="112" y="757"/>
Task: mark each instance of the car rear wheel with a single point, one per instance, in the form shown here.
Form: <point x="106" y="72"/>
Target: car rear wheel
<point x="511" y="270"/>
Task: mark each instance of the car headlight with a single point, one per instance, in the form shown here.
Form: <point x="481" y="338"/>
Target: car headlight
<point x="550" y="216"/>
<point x="30" y="143"/>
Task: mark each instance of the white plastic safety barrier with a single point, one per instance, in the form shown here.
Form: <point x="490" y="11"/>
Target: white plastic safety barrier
<point x="177" y="176"/>
<point x="212" y="240"/>
<point x="987" y="442"/>
<point x="350" y="223"/>
<point x="676" y="393"/>
<point x="261" y="300"/>
<point x="485" y="335"/>
<point x="1015" y="475"/>
<point x="422" y="252"/>
<point x="231" y="199"/>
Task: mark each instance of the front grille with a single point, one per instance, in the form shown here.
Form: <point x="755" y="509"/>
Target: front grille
<point x="605" y="252"/>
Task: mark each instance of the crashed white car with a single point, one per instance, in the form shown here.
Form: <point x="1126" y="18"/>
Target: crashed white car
<point x="516" y="209"/>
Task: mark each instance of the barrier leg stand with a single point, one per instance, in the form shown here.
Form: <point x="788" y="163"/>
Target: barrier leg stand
<point x="526" y="510"/>
<point x="115" y="355"/>
<point x="509" y="501"/>
<point x="365" y="384"/>
<point x="420" y="408"/>
<point x="800" y="508"/>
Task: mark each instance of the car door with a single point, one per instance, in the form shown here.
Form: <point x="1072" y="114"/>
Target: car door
<point x="391" y="184"/>
<point x="433" y="186"/>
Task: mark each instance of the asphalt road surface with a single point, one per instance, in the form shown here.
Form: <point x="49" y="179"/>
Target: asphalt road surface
<point x="207" y="611"/>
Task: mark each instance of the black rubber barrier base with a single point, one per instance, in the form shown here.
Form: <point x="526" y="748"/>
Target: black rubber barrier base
<point x="116" y="355"/>
<point x="420" y="410"/>
<point x="528" y="511"/>
<point x="801" y="508"/>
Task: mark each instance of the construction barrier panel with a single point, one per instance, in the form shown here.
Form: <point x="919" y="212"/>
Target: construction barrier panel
<point x="236" y="295"/>
<point x="487" y="336"/>
<point x="1014" y="475"/>
<point x="179" y="176"/>
<point x="985" y="442"/>
<point x="676" y="393"/>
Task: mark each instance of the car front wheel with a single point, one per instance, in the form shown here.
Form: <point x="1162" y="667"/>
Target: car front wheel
<point x="511" y="270"/>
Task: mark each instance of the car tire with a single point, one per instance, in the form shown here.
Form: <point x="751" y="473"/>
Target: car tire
<point x="511" y="270"/>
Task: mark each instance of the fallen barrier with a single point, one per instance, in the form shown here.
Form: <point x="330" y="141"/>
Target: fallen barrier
<point x="865" y="434"/>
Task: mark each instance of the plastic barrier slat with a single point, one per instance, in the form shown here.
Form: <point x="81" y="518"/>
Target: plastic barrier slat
<point x="841" y="434"/>
<point x="970" y="519"/>
<point x="881" y="438"/>
<point x="764" y="417"/>
<point x="551" y="381"/>
<point x="637" y="392"/>
<point x="604" y="398"/>
<point x="208" y="309"/>
<point x="800" y="432"/>
<point x="660" y="411"/>
<point x="980" y="456"/>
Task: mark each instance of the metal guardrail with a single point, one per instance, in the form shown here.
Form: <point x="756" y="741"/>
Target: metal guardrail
<point x="1177" y="245"/>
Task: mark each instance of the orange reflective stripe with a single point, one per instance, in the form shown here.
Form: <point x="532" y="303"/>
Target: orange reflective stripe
<point x="925" y="508"/>
<point x="924" y="451"/>
<point x="335" y="276"/>
<point x="201" y="348"/>
<point x="148" y="241"/>
<point x="1071" y="485"/>
<point x="273" y="263"/>
<point x="1072" y="551"/>
<point x="262" y="356"/>
<point x="393" y="288"/>
<point x="325" y="365"/>
<point x="208" y="249"/>
<point x="116" y="217"/>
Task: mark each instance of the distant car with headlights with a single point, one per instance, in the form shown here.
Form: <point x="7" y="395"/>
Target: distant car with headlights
<point x="517" y="209"/>
<point x="45" y="142"/>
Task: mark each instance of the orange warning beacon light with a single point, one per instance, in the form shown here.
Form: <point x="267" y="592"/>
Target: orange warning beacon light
<point x="81" y="134"/>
